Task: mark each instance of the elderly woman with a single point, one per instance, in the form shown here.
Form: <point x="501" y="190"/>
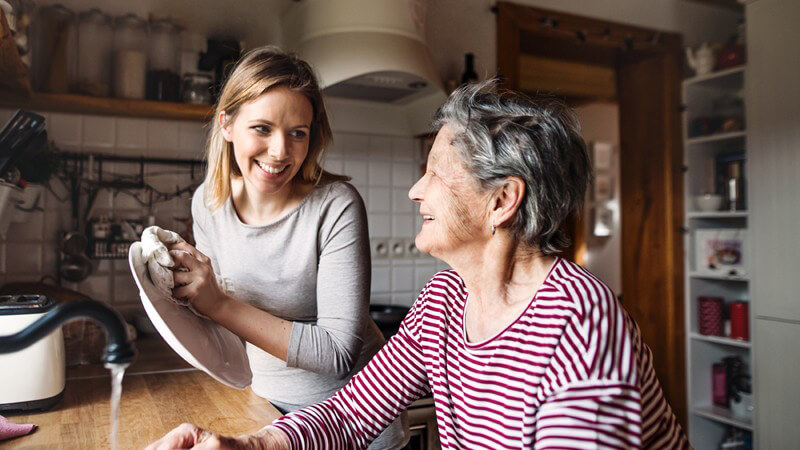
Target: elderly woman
<point x="519" y="347"/>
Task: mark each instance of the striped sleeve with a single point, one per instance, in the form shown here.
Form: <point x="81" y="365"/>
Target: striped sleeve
<point x="594" y="414"/>
<point x="372" y="399"/>
<point x="593" y="400"/>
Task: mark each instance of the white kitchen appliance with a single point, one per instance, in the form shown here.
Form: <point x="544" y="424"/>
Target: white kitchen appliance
<point x="34" y="377"/>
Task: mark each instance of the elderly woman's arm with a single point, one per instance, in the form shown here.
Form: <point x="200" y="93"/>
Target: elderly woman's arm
<point x="355" y="416"/>
<point x="597" y="413"/>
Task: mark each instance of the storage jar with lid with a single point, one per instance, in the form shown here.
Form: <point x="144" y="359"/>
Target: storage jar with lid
<point x="54" y="39"/>
<point x="130" y="57"/>
<point x="197" y="88"/>
<point x="94" y="53"/>
<point x="163" y="81"/>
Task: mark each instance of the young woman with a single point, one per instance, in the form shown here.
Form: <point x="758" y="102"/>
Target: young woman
<point x="290" y="237"/>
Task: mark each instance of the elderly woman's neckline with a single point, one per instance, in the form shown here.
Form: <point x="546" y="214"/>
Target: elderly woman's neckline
<point x="479" y="330"/>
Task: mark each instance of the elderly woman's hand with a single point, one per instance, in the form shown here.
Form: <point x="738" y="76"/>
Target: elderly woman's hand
<point x="195" y="281"/>
<point x="190" y="436"/>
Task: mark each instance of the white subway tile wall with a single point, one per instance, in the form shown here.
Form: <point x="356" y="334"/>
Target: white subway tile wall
<point x="382" y="168"/>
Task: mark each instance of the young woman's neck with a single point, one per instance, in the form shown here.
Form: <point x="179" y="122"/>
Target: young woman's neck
<point x="258" y="208"/>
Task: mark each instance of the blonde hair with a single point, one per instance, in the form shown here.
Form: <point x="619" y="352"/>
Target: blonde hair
<point x="257" y="72"/>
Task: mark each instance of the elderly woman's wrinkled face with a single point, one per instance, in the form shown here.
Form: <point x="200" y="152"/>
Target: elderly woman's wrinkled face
<point x="452" y="208"/>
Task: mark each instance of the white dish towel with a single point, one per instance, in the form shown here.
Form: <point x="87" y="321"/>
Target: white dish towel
<point x="160" y="264"/>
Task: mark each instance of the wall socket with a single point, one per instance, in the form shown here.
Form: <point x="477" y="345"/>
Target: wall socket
<point x="379" y="248"/>
<point x="388" y="248"/>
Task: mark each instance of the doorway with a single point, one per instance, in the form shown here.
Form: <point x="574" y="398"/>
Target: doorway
<point x="587" y="61"/>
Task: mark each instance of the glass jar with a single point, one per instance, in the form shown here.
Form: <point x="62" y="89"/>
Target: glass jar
<point x="130" y="57"/>
<point x="197" y="88"/>
<point x="53" y="46"/>
<point x="163" y="81"/>
<point x="20" y="20"/>
<point x="94" y="53"/>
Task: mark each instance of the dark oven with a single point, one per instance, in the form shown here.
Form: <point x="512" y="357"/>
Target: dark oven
<point x="422" y="424"/>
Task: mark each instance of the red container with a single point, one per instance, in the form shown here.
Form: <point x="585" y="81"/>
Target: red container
<point x="719" y="384"/>
<point x="709" y="316"/>
<point x="740" y="328"/>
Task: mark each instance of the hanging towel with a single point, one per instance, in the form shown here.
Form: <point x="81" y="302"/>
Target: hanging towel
<point x="10" y="430"/>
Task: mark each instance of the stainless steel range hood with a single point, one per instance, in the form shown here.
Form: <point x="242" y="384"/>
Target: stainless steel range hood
<point x="370" y="51"/>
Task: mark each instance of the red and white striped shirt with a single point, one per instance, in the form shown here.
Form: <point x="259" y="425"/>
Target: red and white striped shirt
<point x="570" y="372"/>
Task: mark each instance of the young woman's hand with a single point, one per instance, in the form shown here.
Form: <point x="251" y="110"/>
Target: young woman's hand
<point x="195" y="281"/>
<point x="190" y="436"/>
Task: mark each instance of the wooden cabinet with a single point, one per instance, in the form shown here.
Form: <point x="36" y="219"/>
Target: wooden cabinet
<point x="717" y="258"/>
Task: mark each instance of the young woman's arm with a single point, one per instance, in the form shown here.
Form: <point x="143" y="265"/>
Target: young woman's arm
<point x="333" y="343"/>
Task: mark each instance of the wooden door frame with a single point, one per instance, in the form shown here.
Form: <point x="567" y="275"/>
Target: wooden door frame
<point x="601" y="42"/>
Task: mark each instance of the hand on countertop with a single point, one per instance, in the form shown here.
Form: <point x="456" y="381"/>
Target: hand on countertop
<point x="190" y="436"/>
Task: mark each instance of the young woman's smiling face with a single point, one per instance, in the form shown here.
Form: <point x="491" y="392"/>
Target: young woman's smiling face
<point x="270" y="137"/>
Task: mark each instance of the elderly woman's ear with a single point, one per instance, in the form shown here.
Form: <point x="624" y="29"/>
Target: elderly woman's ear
<point x="505" y="201"/>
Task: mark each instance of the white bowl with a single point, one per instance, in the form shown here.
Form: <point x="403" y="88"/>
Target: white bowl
<point x="708" y="202"/>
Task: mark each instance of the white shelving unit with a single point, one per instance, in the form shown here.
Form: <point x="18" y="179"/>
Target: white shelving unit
<point x="708" y="424"/>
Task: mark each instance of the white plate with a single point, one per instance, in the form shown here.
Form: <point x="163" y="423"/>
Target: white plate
<point x="201" y="342"/>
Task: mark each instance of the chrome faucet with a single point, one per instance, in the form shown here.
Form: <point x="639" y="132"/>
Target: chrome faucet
<point x="119" y="348"/>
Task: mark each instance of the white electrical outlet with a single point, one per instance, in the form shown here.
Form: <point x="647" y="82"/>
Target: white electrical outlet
<point x="397" y="248"/>
<point x="411" y="248"/>
<point x="379" y="247"/>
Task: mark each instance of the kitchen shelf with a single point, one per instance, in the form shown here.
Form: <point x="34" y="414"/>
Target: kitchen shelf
<point x="716" y="137"/>
<point x="722" y="415"/>
<point x="707" y="424"/>
<point x="83" y="104"/>
<point x="716" y="215"/>
<point x="714" y="276"/>
<point x="729" y="78"/>
<point x="720" y="340"/>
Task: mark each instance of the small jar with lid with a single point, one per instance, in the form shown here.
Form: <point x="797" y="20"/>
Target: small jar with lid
<point x="197" y="88"/>
<point x="163" y="81"/>
<point x="130" y="57"/>
<point x="94" y="53"/>
<point x="54" y="39"/>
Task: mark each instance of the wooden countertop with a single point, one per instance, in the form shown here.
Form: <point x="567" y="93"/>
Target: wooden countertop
<point x="152" y="404"/>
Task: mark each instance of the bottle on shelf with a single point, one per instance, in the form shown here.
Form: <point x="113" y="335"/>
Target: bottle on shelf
<point x="734" y="187"/>
<point x="469" y="75"/>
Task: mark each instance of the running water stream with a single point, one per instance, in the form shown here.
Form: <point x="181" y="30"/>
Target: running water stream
<point x="117" y="372"/>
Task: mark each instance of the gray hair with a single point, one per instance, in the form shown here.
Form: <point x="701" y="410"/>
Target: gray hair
<point x="504" y="134"/>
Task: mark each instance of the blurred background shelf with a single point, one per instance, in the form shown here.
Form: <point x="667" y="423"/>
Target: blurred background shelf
<point x="83" y="104"/>
<point x="722" y="415"/>
<point x="721" y="340"/>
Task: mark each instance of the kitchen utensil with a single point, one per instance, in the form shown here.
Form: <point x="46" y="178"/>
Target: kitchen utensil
<point x="32" y="378"/>
<point x="201" y="342"/>
<point x="21" y="130"/>
<point x="74" y="265"/>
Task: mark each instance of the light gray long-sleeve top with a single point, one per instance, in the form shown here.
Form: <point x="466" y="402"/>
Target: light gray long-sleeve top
<point x="311" y="267"/>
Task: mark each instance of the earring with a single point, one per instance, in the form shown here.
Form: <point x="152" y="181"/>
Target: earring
<point x="493" y="229"/>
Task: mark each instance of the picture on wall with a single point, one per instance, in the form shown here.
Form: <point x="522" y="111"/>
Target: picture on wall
<point x="602" y="221"/>
<point x="603" y="189"/>
<point x="602" y="155"/>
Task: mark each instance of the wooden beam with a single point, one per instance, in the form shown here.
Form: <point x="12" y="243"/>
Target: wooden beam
<point x="566" y="78"/>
